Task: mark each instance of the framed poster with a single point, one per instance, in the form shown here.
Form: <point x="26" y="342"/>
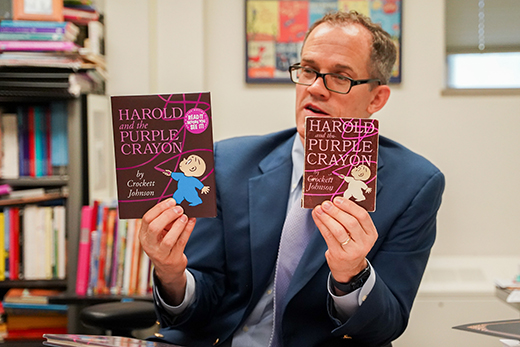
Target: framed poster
<point x="275" y="30"/>
<point x="45" y="10"/>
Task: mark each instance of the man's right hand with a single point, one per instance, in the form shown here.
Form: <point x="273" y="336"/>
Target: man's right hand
<point x="165" y="230"/>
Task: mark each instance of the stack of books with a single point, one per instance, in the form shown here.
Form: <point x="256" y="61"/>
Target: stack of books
<point x="29" y="315"/>
<point x="28" y="48"/>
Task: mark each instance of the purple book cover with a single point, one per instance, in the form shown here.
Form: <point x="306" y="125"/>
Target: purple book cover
<point x="340" y="160"/>
<point x="164" y="148"/>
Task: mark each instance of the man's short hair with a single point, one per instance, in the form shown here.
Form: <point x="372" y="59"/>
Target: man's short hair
<point x="384" y="52"/>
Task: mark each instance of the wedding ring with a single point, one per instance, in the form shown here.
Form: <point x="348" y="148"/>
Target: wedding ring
<point x="344" y="243"/>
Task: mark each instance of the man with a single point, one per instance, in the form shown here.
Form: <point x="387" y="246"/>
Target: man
<point x="357" y="277"/>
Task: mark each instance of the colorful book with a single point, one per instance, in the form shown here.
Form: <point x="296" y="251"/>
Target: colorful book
<point x="53" y="25"/>
<point x="84" y="251"/>
<point x="340" y="160"/>
<point x="60" y="46"/>
<point x="65" y="340"/>
<point x="21" y="36"/>
<point x="14" y="235"/>
<point x="163" y="149"/>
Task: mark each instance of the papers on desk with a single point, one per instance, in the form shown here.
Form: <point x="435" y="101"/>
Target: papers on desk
<point x="510" y="343"/>
<point x="514" y="296"/>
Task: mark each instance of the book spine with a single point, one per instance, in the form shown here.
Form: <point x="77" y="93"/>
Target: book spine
<point x="84" y="251"/>
<point x="65" y="46"/>
<point x="7" y="228"/>
<point x="14" y="228"/>
<point x="59" y="222"/>
<point x="31" y="30"/>
<point x="2" y="246"/>
<point x="38" y="140"/>
<point x="10" y="158"/>
<point x="121" y="245"/>
<point x="32" y="24"/>
<point x="32" y="36"/>
<point x="59" y="137"/>
<point x="31" y="136"/>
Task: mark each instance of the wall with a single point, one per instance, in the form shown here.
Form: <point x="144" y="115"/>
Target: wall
<point x="188" y="45"/>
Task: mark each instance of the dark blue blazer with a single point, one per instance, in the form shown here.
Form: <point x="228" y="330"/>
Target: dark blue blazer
<point x="232" y="256"/>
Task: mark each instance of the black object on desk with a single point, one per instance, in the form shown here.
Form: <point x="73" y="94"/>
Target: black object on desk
<point x="504" y="328"/>
<point x="120" y="318"/>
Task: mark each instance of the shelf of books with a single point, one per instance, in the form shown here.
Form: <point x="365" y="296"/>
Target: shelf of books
<point x="47" y="68"/>
<point x="110" y="259"/>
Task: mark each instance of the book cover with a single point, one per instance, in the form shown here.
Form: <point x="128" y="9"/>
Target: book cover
<point x="340" y="160"/>
<point x="503" y="328"/>
<point x="164" y="148"/>
<point x="99" y="341"/>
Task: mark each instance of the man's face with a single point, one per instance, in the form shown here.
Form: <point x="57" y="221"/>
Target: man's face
<point x="339" y="49"/>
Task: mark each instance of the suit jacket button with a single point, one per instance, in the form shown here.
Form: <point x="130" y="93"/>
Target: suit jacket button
<point x="216" y="341"/>
<point x="158" y="335"/>
<point x="346" y="337"/>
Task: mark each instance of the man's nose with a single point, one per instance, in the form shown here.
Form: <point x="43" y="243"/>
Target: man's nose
<point x="318" y="86"/>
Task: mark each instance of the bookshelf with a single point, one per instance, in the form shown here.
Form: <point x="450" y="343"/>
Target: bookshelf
<point x="33" y="80"/>
<point x="75" y="182"/>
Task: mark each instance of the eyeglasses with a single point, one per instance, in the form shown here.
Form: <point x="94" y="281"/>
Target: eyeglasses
<point x="334" y="82"/>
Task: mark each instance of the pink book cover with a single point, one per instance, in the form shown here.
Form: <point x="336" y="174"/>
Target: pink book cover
<point x="66" y="46"/>
<point x="164" y="148"/>
<point x="84" y="251"/>
<point x="340" y="160"/>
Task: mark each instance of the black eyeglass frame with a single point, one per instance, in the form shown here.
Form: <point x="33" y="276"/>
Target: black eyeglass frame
<point x="353" y="82"/>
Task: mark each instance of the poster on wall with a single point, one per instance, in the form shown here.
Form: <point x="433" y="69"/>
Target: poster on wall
<point x="275" y="30"/>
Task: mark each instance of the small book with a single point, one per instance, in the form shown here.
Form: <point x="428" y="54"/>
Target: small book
<point x="340" y="160"/>
<point x="99" y="341"/>
<point x="164" y="148"/>
<point x="503" y="328"/>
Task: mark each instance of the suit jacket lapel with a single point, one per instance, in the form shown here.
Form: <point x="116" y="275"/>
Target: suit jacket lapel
<point x="268" y="194"/>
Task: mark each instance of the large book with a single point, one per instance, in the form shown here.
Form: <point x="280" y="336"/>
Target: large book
<point x="164" y="148"/>
<point x="65" y="340"/>
<point x="340" y="160"/>
<point x="503" y="328"/>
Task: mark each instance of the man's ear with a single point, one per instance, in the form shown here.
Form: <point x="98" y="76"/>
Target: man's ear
<point x="380" y="95"/>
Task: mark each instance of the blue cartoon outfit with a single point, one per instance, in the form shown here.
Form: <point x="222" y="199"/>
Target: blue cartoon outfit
<point x="186" y="189"/>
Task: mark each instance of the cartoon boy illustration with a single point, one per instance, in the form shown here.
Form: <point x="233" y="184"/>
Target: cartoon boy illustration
<point x="356" y="184"/>
<point x="191" y="167"/>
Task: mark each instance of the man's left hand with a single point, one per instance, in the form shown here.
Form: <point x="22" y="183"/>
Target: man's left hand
<point x="349" y="233"/>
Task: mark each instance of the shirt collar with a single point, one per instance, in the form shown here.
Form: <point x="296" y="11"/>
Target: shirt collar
<point x="297" y="159"/>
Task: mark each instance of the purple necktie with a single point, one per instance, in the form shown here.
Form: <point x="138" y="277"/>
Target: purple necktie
<point x="296" y="233"/>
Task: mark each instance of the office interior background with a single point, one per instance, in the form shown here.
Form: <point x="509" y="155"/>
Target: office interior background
<point x="165" y="46"/>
